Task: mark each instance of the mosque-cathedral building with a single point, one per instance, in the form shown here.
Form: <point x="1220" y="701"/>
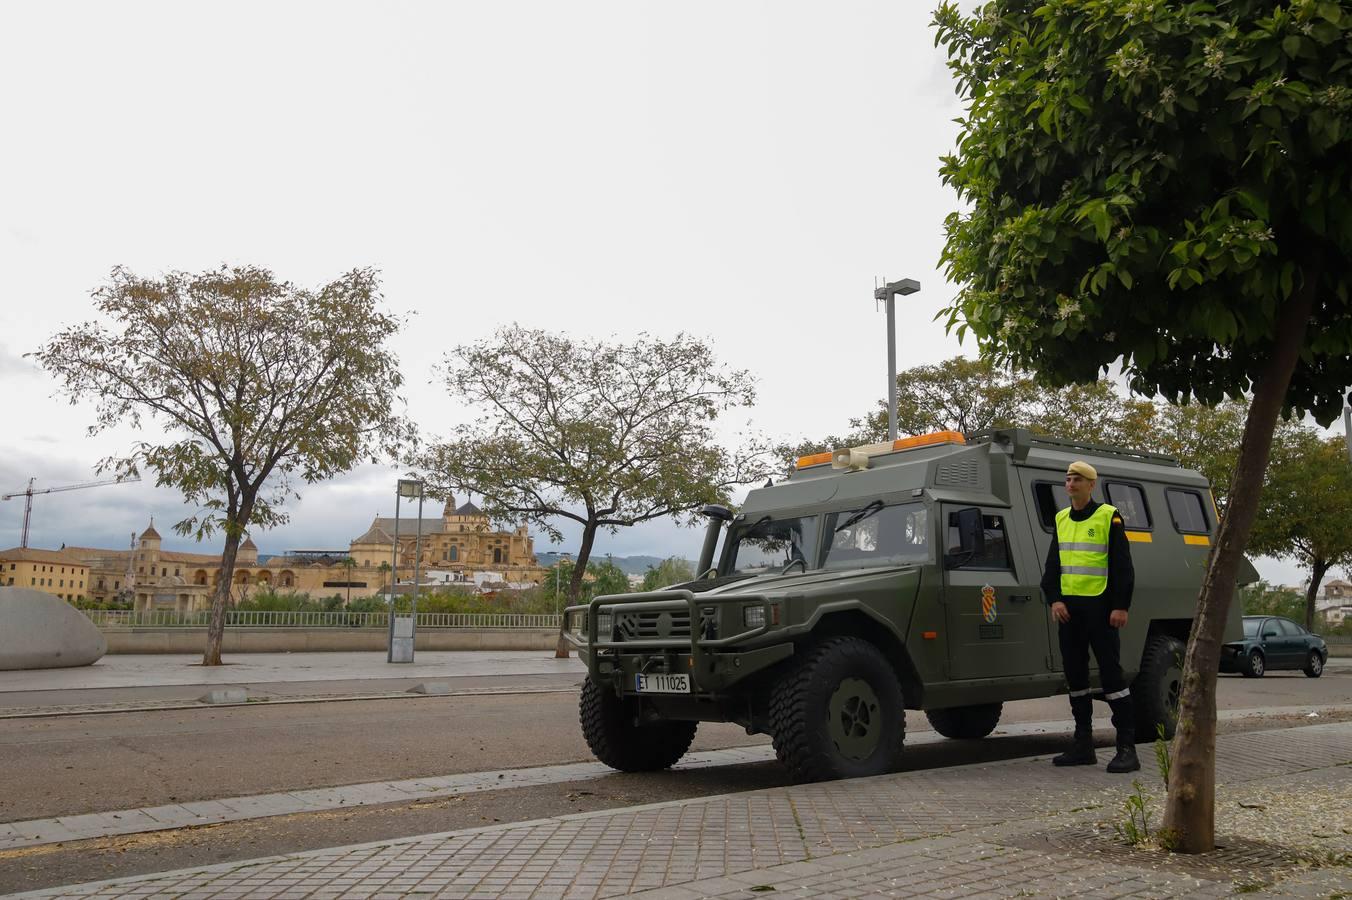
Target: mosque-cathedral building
<point x="460" y="543"/>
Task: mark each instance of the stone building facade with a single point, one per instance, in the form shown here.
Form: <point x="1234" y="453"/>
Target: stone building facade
<point x="461" y="541"/>
<point x="53" y="572"/>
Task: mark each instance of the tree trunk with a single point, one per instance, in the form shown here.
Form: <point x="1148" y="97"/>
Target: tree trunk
<point x="575" y="582"/>
<point x="219" y="601"/>
<point x="1189" y="814"/>
<point x="1317" y="573"/>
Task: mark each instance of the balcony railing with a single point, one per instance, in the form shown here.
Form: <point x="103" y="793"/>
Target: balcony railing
<point x="235" y="618"/>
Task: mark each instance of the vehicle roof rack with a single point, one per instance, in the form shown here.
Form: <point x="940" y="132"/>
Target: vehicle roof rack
<point x="1021" y="440"/>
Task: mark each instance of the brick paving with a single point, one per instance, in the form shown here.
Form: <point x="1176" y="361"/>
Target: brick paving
<point x="957" y="832"/>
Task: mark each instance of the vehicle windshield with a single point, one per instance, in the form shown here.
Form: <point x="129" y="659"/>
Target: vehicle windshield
<point x="770" y="544"/>
<point x="1251" y="627"/>
<point x="877" y="535"/>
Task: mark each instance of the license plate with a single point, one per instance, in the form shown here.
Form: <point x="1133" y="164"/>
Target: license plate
<point x="662" y="684"/>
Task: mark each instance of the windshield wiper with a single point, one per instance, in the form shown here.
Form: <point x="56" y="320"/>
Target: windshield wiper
<point x="859" y="516"/>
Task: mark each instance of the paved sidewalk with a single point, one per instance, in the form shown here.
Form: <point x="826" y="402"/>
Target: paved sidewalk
<point x="1018" y="828"/>
<point x="155" y="670"/>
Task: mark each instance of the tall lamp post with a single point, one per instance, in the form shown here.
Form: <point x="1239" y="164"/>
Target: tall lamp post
<point x="403" y="628"/>
<point x="558" y="573"/>
<point x="888" y="294"/>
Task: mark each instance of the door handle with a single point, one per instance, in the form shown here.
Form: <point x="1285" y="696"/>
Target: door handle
<point x="1020" y="598"/>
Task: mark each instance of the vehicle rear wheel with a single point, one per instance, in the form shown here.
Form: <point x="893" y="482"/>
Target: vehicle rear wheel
<point x="1157" y="688"/>
<point x="619" y="742"/>
<point x="838" y="713"/>
<point x="1255" y="665"/>
<point x="965" y="722"/>
<point x="1314" y="666"/>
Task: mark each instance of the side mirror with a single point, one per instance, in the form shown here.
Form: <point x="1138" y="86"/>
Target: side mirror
<point x="971" y="537"/>
<point x="1268" y="634"/>
<point x="971" y="530"/>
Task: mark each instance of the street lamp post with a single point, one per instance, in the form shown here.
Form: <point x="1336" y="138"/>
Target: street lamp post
<point x="403" y="633"/>
<point x="558" y="573"/>
<point x="888" y="294"/>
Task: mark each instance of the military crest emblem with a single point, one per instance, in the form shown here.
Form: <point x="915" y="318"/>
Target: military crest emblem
<point x="989" y="611"/>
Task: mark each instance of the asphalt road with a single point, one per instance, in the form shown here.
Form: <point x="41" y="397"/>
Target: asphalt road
<point x="75" y="764"/>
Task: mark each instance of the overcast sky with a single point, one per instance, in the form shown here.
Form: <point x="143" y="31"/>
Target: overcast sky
<point x="741" y="171"/>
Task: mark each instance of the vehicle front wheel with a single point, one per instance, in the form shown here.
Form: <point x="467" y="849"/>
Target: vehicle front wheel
<point x="1157" y="688"/>
<point x="1255" y="665"/>
<point x="620" y="742"/>
<point x="838" y="713"/>
<point x="965" y="722"/>
<point x="1314" y="666"/>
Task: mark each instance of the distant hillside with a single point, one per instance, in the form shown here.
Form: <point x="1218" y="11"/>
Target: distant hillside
<point x="630" y="565"/>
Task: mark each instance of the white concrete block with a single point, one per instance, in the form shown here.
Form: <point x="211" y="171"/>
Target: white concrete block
<point x="40" y="631"/>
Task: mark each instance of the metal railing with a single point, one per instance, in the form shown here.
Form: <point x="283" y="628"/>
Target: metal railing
<point x="236" y="618"/>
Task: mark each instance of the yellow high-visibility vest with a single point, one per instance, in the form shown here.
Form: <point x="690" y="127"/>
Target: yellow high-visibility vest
<point x="1083" y="550"/>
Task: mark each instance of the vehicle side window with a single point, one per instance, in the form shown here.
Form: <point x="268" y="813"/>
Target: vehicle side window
<point x="1050" y="499"/>
<point x="886" y="536"/>
<point x="1130" y="502"/>
<point x="1186" y="509"/>
<point x="1289" y="628"/>
<point x="995" y="555"/>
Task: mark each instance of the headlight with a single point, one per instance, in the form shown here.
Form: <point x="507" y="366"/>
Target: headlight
<point x="753" y="615"/>
<point x="605" y="624"/>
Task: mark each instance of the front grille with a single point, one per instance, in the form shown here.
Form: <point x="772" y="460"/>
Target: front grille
<point x="652" y="626"/>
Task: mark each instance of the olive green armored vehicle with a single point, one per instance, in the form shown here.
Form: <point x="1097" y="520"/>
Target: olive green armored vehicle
<point x="879" y="579"/>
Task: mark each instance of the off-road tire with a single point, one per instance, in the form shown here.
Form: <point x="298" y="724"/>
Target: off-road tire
<point x="838" y="712"/>
<point x="1156" y="690"/>
<point x="1255" y="664"/>
<point x="965" y="723"/>
<point x="1314" y="666"/>
<point x="608" y="725"/>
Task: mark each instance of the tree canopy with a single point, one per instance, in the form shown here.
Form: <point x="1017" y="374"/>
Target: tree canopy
<point x="250" y="383"/>
<point x="1154" y="182"/>
<point x="672" y="570"/>
<point x="604" y="434"/>
<point x="1304" y="511"/>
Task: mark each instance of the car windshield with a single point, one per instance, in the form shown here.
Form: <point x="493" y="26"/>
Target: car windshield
<point x="1251" y="627"/>
<point x="770" y="544"/>
<point x="877" y="535"/>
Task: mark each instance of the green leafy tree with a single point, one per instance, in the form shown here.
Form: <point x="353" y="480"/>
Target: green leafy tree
<point x="606" y="435"/>
<point x="1262" y="599"/>
<point x="1306" y="500"/>
<point x="672" y="570"/>
<point x="968" y="396"/>
<point x="1164" y="186"/>
<point x="248" y="384"/>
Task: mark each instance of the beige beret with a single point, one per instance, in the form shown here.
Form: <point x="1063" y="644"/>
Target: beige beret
<point x="1082" y="468"/>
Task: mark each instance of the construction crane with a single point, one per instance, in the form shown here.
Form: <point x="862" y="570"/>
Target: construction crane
<point x="28" y="494"/>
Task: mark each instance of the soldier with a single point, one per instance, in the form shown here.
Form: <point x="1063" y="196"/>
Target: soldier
<point x="1088" y="582"/>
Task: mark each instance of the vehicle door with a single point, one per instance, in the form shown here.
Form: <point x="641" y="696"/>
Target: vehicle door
<point x="1292" y="641"/>
<point x="996" y="625"/>
<point x="1044" y="494"/>
<point x="1270" y="642"/>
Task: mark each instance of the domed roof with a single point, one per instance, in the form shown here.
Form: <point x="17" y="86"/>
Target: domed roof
<point x="469" y="509"/>
<point x="150" y="534"/>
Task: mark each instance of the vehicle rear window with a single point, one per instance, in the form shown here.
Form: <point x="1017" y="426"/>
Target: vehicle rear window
<point x="1130" y="502"/>
<point x="1050" y="499"/>
<point x="877" y="536"/>
<point x="1187" y="511"/>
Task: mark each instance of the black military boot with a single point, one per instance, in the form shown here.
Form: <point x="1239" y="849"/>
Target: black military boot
<point x="1124" y="720"/>
<point x="1081" y="750"/>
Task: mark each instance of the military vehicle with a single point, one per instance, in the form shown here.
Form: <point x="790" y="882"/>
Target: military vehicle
<point x="884" y="578"/>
